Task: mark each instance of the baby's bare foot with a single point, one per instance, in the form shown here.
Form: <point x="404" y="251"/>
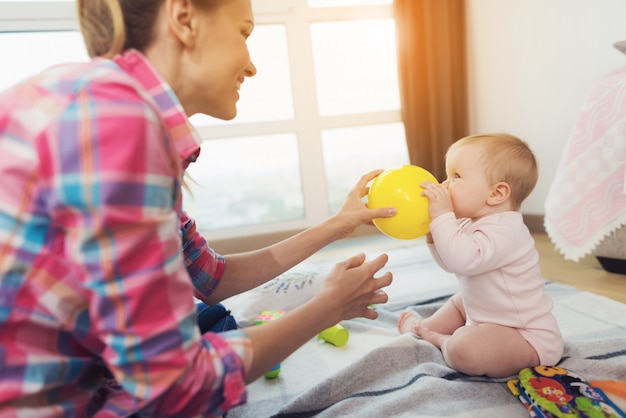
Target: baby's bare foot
<point x="408" y="323"/>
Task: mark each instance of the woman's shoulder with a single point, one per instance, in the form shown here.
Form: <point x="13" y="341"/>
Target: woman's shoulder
<point x="93" y="79"/>
<point x="57" y="87"/>
<point x="100" y="77"/>
<point x="38" y="99"/>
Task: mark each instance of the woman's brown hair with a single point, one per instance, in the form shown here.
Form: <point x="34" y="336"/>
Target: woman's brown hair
<point x="112" y="26"/>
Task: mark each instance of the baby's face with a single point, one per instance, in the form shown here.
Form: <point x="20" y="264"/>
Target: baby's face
<point x="467" y="182"/>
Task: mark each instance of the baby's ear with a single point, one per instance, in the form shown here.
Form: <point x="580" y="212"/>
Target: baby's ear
<point x="500" y="193"/>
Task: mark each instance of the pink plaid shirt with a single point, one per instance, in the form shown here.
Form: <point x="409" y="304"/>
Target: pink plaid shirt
<point x="98" y="263"/>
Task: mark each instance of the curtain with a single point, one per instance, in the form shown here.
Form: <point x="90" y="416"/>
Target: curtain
<point x="432" y="78"/>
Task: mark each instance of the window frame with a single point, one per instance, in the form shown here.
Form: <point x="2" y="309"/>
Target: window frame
<point x="307" y="124"/>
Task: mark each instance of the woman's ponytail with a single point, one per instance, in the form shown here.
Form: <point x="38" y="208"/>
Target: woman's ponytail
<point x="102" y="25"/>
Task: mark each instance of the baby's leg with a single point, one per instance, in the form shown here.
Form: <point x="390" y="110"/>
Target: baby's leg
<point x="448" y="318"/>
<point x="485" y="349"/>
<point x="445" y="320"/>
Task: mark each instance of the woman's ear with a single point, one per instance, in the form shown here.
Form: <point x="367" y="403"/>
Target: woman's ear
<point x="500" y="193"/>
<point x="181" y="19"/>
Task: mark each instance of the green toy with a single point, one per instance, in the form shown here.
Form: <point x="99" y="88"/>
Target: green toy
<point x="336" y="335"/>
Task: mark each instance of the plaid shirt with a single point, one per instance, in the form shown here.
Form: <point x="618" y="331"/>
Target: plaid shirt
<point x="98" y="263"/>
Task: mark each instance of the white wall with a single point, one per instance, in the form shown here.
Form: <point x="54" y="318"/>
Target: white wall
<point x="531" y="64"/>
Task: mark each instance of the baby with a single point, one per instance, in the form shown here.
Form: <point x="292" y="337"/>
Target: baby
<point x="501" y="319"/>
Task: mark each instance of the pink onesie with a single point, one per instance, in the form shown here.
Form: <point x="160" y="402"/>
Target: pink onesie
<point x="497" y="265"/>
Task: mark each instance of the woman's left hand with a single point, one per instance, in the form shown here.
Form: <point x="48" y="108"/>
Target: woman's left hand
<point x="354" y="212"/>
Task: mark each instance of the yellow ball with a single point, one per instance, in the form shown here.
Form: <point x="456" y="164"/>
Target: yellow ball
<point x="400" y="188"/>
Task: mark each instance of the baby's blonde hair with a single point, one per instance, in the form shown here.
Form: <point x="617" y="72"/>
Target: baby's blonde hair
<point x="506" y="158"/>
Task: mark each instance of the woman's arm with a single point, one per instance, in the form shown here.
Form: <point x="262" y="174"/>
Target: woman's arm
<point x="248" y="270"/>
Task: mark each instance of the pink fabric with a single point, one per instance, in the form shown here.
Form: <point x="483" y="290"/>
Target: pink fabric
<point x="587" y="199"/>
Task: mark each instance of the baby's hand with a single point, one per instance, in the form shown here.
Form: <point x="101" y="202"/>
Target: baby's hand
<point x="439" y="198"/>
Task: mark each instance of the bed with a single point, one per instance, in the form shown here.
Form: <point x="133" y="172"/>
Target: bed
<point x="382" y="373"/>
<point x="585" y="210"/>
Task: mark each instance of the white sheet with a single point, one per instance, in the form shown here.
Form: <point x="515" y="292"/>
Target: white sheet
<point x="381" y="373"/>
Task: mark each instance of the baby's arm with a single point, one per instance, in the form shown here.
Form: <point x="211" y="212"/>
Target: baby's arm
<point x="433" y="251"/>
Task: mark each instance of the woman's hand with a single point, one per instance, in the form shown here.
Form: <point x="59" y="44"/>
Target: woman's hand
<point x="354" y="212"/>
<point x="348" y="292"/>
<point x="352" y="287"/>
<point x="247" y="270"/>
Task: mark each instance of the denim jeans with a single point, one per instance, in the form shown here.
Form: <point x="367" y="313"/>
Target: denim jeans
<point x="215" y="318"/>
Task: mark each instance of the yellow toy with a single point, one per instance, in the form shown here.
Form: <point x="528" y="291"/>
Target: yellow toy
<point x="336" y="335"/>
<point x="400" y="188"/>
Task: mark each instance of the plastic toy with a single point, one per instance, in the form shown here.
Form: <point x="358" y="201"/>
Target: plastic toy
<point x="264" y="317"/>
<point x="336" y="335"/>
<point x="267" y="316"/>
<point x="272" y="374"/>
<point x="614" y="389"/>
<point x="400" y="188"/>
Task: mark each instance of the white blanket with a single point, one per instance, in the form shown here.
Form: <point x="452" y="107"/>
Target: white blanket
<point x="380" y="373"/>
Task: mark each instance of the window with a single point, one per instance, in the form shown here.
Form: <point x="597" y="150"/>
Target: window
<point x="43" y="52"/>
<point x="352" y="151"/>
<point x="255" y="185"/>
<point x="342" y="3"/>
<point x="322" y="110"/>
<point x="362" y="77"/>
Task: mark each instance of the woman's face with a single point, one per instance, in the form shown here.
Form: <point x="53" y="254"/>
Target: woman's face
<point x="220" y="59"/>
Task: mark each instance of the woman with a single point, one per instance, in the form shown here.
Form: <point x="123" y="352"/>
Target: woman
<point x="96" y="288"/>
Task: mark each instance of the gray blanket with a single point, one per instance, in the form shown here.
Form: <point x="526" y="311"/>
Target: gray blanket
<point x="381" y="373"/>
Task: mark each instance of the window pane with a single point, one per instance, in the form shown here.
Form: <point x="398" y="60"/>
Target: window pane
<point x="351" y="152"/>
<point x="246" y="181"/>
<point x="32" y="52"/>
<point x="340" y="3"/>
<point x="266" y="96"/>
<point x="355" y="66"/>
